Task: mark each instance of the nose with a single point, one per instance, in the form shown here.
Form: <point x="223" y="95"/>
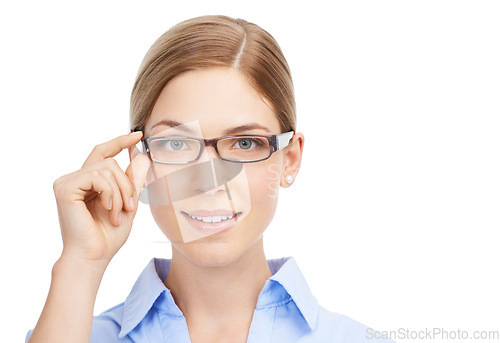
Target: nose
<point x="206" y="179"/>
<point x="192" y="180"/>
<point x="209" y="153"/>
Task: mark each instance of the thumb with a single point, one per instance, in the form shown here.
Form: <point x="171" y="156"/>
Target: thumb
<point x="138" y="169"/>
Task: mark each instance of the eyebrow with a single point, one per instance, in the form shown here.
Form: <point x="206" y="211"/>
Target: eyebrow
<point x="172" y="123"/>
<point x="227" y="132"/>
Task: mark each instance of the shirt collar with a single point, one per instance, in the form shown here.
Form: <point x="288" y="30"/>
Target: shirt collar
<point x="149" y="290"/>
<point x="144" y="293"/>
<point x="287" y="274"/>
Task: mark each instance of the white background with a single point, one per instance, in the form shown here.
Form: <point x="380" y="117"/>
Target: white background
<point x="394" y="216"/>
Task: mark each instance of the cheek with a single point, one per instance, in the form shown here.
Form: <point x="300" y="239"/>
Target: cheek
<point x="264" y="182"/>
<point x="166" y="220"/>
<point x="159" y="202"/>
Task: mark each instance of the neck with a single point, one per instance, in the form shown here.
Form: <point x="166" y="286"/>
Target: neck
<point x="222" y="294"/>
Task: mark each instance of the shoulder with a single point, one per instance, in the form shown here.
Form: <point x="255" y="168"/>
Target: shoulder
<point x="341" y="328"/>
<point x="105" y="327"/>
<point x="324" y="325"/>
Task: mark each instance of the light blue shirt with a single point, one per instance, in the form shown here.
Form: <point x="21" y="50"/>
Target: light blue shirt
<point x="286" y="312"/>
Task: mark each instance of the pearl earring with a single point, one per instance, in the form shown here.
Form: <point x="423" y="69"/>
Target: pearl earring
<point x="289" y="179"/>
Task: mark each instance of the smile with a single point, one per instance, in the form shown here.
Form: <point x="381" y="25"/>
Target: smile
<point x="211" y="219"/>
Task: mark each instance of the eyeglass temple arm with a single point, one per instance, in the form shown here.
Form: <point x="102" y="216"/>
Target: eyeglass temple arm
<point x="283" y="139"/>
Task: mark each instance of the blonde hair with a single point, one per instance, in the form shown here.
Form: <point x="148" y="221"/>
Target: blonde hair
<point x="215" y="41"/>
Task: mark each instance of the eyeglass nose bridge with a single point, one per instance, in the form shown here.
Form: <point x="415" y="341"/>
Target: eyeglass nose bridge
<point x="205" y="143"/>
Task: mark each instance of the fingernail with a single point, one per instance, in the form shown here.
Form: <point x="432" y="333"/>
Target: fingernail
<point x="135" y="133"/>
<point x="120" y="218"/>
<point x="110" y="203"/>
<point x="132" y="203"/>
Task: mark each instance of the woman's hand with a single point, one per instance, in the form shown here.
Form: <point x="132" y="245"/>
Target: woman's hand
<point x="97" y="204"/>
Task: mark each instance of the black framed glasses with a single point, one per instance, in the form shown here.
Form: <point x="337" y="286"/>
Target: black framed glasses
<point x="235" y="148"/>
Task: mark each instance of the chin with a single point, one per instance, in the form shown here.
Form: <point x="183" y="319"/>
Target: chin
<point x="210" y="254"/>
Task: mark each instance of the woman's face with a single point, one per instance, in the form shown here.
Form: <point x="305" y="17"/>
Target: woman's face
<point x="208" y="103"/>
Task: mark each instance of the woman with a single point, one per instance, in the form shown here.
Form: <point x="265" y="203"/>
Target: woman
<point x="206" y="78"/>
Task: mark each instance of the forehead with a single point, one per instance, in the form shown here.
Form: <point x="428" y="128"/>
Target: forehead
<point x="217" y="98"/>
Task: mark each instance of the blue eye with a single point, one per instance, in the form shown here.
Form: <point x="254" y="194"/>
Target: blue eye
<point x="176" y="144"/>
<point x="246" y="143"/>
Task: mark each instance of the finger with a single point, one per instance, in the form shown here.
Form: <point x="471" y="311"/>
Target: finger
<point x="137" y="171"/>
<point x="112" y="148"/>
<point x="124" y="184"/>
<point x="92" y="180"/>
<point x="116" y="203"/>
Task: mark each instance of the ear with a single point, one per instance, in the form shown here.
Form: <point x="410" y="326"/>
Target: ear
<point x="292" y="159"/>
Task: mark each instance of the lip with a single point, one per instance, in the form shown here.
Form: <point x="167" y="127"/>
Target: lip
<point x="211" y="228"/>
<point x="206" y="213"/>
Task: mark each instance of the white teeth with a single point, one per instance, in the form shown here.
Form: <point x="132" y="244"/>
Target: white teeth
<point x="212" y="219"/>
